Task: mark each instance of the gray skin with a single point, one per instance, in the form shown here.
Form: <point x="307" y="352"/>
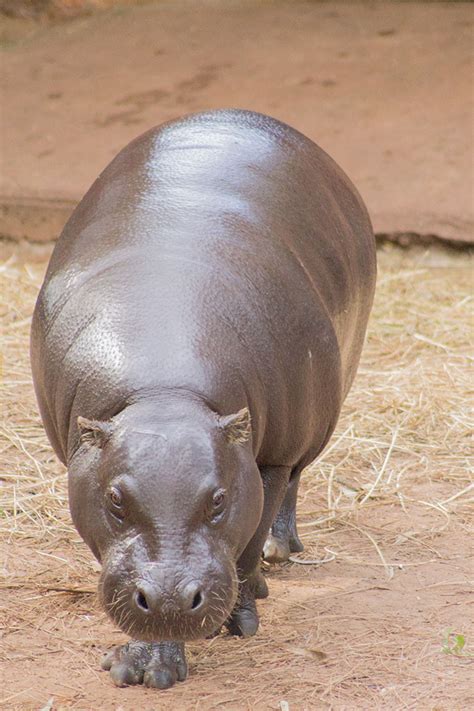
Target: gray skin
<point x="200" y="324"/>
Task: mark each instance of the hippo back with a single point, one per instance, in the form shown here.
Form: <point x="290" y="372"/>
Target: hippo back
<point x="223" y="254"/>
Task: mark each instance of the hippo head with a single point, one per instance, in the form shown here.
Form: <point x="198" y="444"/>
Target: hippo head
<point x="167" y="498"/>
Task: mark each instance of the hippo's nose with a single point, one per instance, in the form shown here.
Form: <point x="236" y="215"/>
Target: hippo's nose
<point x="150" y="598"/>
<point x="192" y="598"/>
<point x="145" y="598"/>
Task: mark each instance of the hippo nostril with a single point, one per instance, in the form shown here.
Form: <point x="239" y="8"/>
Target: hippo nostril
<point x="141" y="601"/>
<point x="196" y="601"/>
<point x="192" y="598"/>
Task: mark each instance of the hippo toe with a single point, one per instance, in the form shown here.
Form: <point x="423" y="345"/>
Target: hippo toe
<point x="157" y="665"/>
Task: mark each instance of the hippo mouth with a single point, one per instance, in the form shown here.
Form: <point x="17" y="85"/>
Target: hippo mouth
<point x="137" y="611"/>
<point x="169" y="627"/>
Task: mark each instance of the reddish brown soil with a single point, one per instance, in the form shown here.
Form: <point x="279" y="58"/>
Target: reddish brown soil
<point x="364" y="631"/>
<point x="338" y="637"/>
<point x="385" y="88"/>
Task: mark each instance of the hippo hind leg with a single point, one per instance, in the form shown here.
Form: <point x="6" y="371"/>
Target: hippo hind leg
<point x="283" y="539"/>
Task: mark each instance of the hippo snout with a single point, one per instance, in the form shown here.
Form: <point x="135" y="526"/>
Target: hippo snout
<point x="190" y="599"/>
<point x="155" y="604"/>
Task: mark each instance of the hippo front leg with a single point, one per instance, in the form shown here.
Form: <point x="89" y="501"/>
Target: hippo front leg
<point x="154" y="664"/>
<point x="244" y="618"/>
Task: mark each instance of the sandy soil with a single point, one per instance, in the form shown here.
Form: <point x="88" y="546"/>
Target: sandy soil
<point x="365" y="630"/>
<point x="385" y="88"/>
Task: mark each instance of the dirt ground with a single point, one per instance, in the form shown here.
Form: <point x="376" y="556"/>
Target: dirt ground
<point x="389" y="507"/>
<point x="385" y="88"/>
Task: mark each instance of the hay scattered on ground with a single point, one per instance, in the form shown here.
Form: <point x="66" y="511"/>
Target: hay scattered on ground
<point x="407" y="421"/>
<point x="395" y="478"/>
<point x="405" y="434"/>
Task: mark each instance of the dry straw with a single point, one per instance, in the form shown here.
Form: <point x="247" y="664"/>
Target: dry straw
<point x="403" y="444"/>
<point x="406" y="423"/>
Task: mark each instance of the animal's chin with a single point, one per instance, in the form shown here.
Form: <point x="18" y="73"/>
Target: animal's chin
<point x="177" y="630"/>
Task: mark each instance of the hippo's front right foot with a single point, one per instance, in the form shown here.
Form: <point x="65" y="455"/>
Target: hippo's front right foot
<point x="154" y="664"/>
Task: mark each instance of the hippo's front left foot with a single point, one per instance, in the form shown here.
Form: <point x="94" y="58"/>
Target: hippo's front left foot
<point x="155" y="664"/>
<point x="243" y="621"/>
<point x="258" y="584"/>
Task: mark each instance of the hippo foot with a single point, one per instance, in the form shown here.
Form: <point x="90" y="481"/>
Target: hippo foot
<point x="243" y="622"/>
<point x="280" y="544"/>
<point x="154" y="664"/>
<point x="282" y="539"/>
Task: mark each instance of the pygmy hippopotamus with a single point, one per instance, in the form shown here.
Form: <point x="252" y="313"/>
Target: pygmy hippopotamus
<point x="200" y="323"/>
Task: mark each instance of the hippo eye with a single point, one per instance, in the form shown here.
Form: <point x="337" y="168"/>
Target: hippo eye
<point x="218" y="504"/>
<point x="218" y="499"/>
<point x="115" y="497"/>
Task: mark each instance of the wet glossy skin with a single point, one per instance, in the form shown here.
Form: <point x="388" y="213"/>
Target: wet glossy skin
<point x="221" y="264"/>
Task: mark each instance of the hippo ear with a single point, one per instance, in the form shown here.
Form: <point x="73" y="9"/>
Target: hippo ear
<point x="237" y="427"/>
<point x="94" y="432"/>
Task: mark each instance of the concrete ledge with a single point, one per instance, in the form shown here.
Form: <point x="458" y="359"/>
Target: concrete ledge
<point x="40" y="221"/>
<point x="33" y="220"/>
<point x="384" y="88"/>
